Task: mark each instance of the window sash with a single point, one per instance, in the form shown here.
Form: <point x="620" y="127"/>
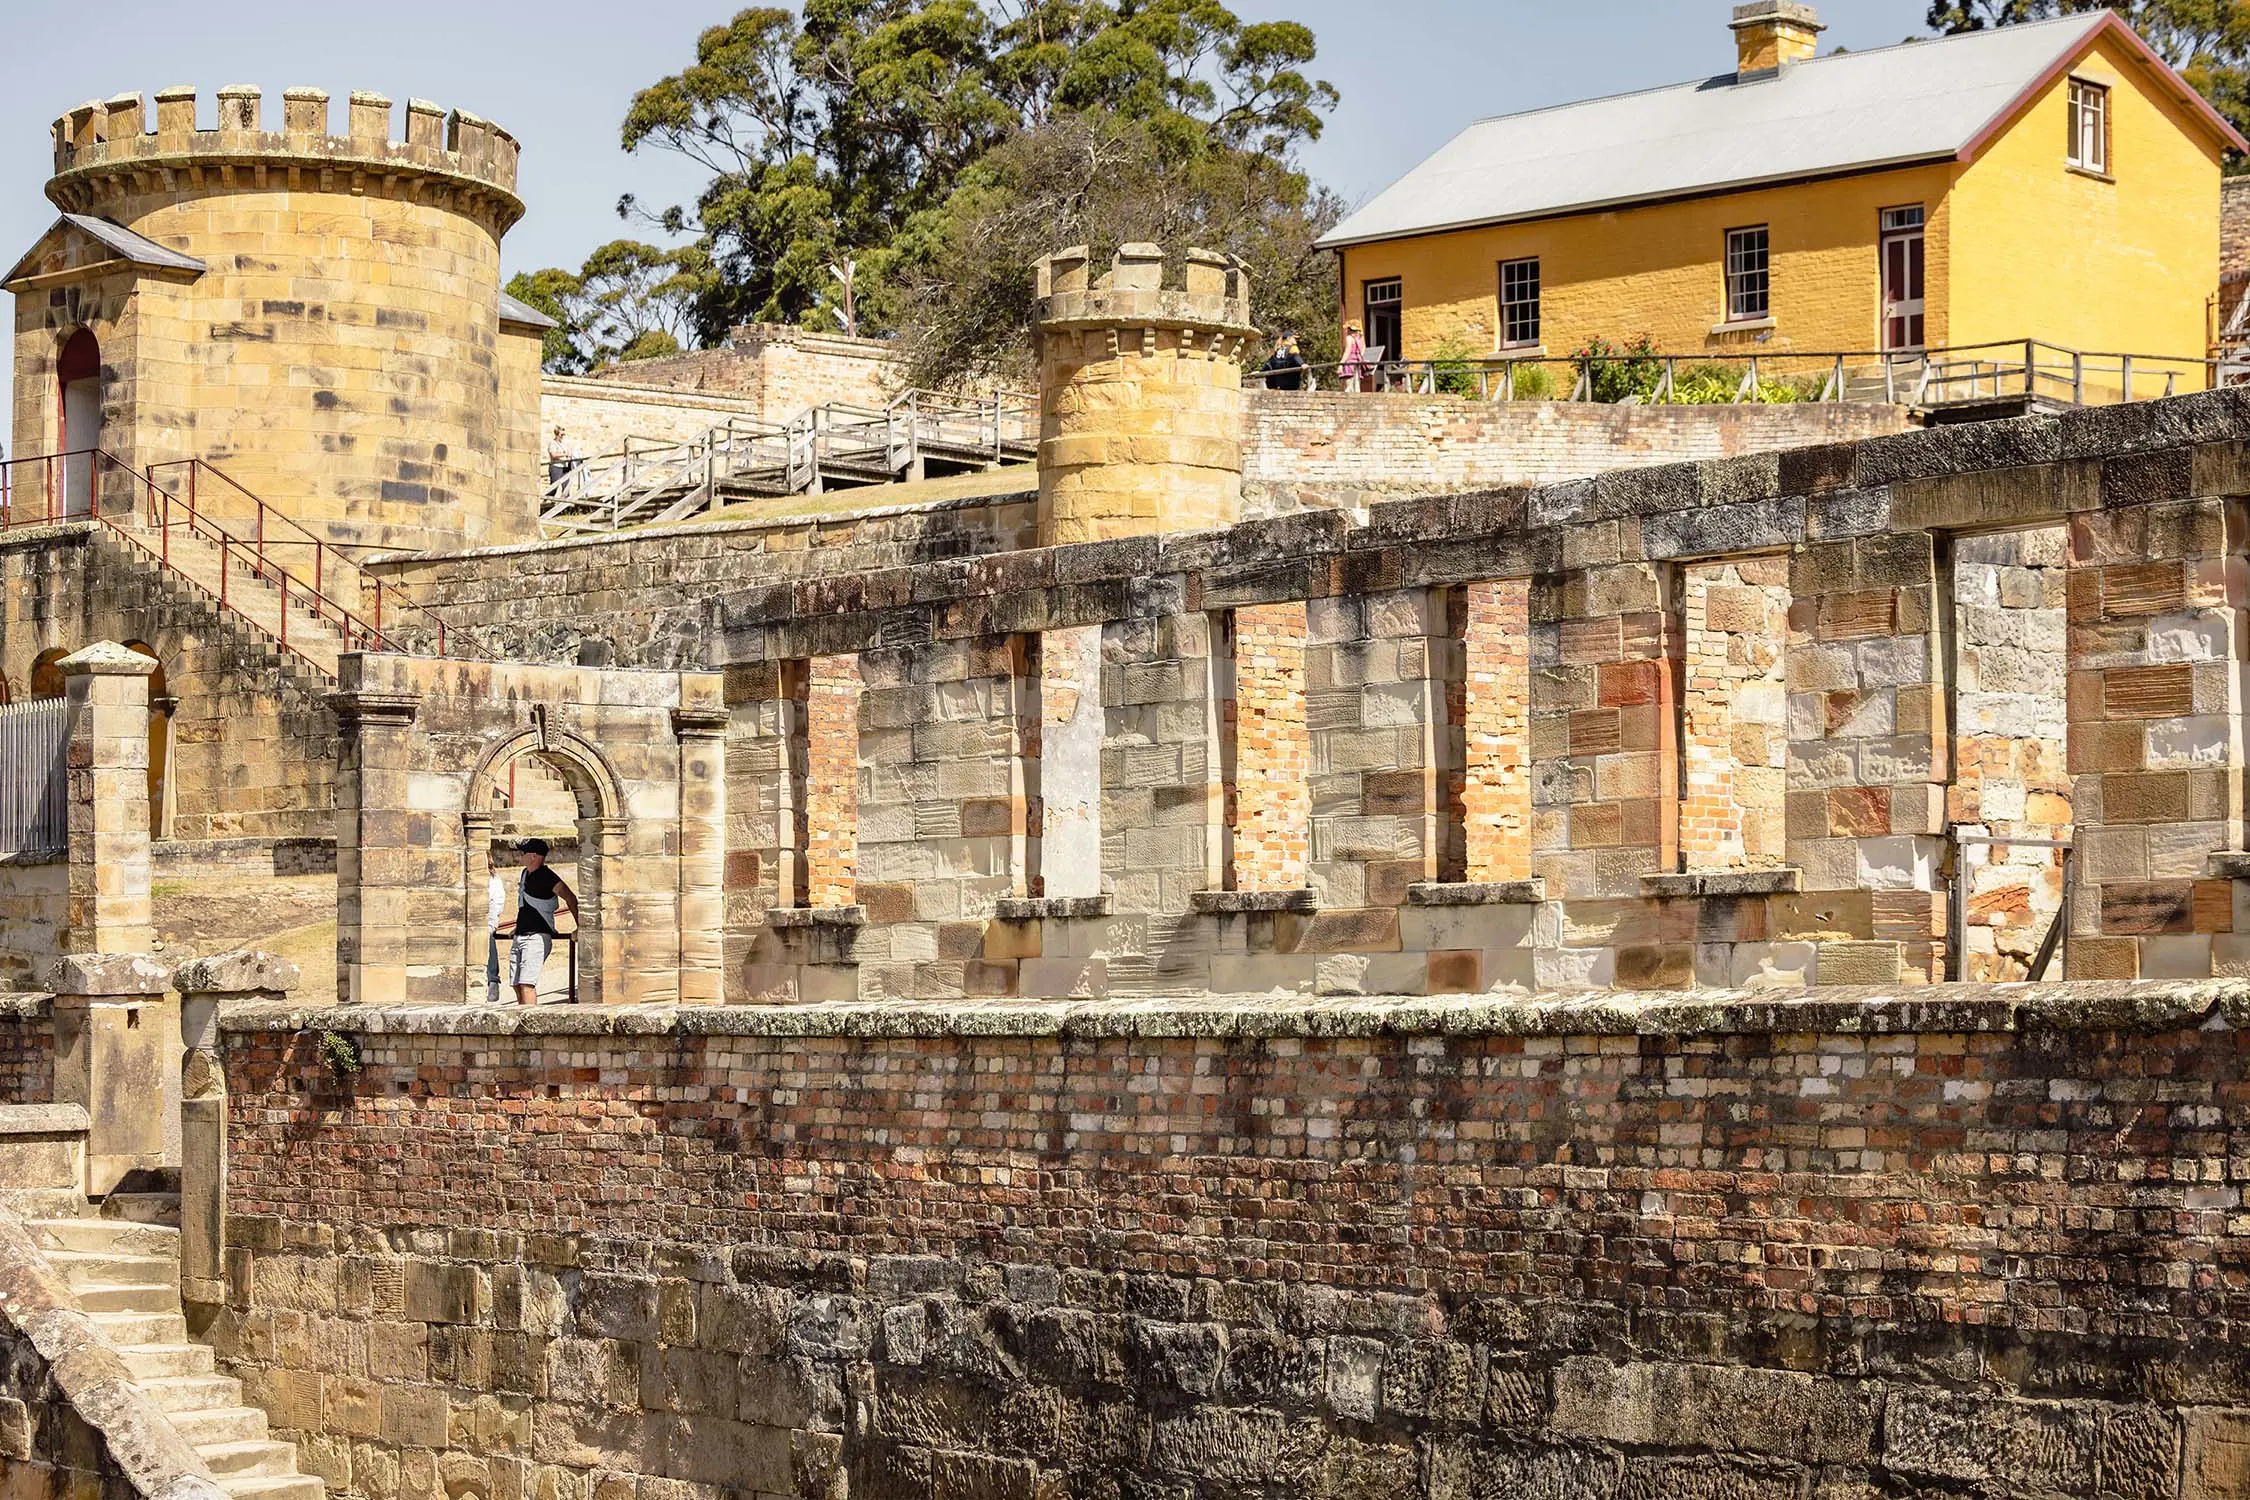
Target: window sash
<point x="2089" y="126"/>
<point x="1519" y="302"/>
<point x="1749" y="275"/>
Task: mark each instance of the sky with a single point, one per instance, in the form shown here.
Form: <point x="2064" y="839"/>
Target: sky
<point x="558" y="74"/>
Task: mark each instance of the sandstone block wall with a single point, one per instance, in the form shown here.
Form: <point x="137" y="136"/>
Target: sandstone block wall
<point x="1986" y="1242"/>
<point x="777" y="368"/>
<point x="34" y="918"/>
<point x="598" y="416"/>
<point x="253" y="746"/>
<point x="1310" y="449"/>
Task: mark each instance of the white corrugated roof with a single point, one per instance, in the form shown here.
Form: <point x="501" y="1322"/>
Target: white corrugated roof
<point x="1848" y="111"/>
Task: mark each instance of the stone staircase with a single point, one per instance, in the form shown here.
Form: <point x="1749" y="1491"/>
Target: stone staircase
<point x="126" y="1275"/>
<point x="249" y="594"/>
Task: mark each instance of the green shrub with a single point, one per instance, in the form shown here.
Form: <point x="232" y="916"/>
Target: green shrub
<point x="1614" y="372"/>
<point x="1454" y="365"/>
<point x="1534" y="383"/>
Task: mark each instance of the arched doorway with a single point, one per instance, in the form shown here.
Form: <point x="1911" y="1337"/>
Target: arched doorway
<point x="46" y="675"/>
<point x="160" y="707"/>
<point x="79" y="373"/>
<point x="599" y="825"/>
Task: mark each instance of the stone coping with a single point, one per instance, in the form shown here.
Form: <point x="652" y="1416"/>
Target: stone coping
<point x="44" y="1119"/>
<point x="32" y="1005"/>
<point x="1871" y="1010"/>
<point x="742" y="527"/>
<point x="26" y="858"/>
<point x="1786" y="881"/>
<point x="1304" y="899"/>
<point x="140" y="1440"/>
<point x="1034" y="908"/>
<point x="1528" y="892"/>
<point x="816" y="916"/>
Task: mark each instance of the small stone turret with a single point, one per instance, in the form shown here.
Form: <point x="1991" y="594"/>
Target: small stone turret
<point x="1140" y="394"/>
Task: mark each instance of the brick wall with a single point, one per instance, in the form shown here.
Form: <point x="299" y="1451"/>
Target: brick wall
<point x="1477" y="1248"/>
<point x="1270" y="793"/>
<point x="1322" y="448"/>
<point x="27" y="1051"/>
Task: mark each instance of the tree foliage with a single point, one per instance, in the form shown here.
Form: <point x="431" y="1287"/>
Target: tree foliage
<point x="884" y="130"/>
<point x="628" y="301"/>
<point x="2208" y="41"/>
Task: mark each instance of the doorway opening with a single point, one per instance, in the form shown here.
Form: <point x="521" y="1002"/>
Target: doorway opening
<point x="1904" y="328"/>
<point x="79" y="373"/>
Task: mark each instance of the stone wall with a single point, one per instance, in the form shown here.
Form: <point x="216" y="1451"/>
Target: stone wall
<point x="34" y="914"/>
<point x="1988" y="1242"/>
<point x="598" y="415"/>
<point x="2234" y="227"/>
<point x="253" y="746"/>
<point x="780" y="368"/>
<point x="27" y="1050"/>
<point x="1311" y="449"/>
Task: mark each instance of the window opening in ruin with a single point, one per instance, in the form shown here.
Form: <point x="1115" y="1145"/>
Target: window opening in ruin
<point x="830" y="759"/>
<point x="1734" y="740"/>
<point x="2008" y="674"/>
<point x="78" y="373"/>
<point x="46" y="676"/>
<point x="1487" y="752"/>
<point x="1069" y="748"/>
<point x="1270" y="764"/>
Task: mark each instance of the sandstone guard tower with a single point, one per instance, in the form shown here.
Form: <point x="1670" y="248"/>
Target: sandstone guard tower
<point x="319" y="314"/>
<point x="1140" y="394"/>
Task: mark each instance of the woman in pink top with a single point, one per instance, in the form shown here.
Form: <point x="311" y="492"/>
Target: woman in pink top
<point x="1354" y="364"/>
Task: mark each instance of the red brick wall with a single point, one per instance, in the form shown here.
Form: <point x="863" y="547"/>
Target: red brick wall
<point x="27" y="1052"/>
<point x="1429" y="1240"/>
<point x="1273" y="749"/>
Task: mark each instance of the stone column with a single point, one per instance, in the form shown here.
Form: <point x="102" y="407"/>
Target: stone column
<point x="376" y="857"/>
<point x="117" y="1055"/>
<point x="206" y="986"/>
<point x="1163" y="789"/>
<point x="109" y="830"/>
<point x="702" y="731"/>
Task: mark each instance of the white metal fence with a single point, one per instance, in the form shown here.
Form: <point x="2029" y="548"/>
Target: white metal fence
<point x="34" y="777"/>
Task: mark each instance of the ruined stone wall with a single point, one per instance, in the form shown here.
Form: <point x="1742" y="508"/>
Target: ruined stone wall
<point x="1310" y="449"/>
<point x="253" y="745"/>
<point x="1981" y="1243"/>
<point x="781" y="369"/>
<point x="27" y="1050"/>
<point x="34" y="913"/>
<point x="598" y="415"/>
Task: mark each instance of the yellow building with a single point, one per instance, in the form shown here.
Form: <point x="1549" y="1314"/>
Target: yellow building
<point x="2054" y="181"/>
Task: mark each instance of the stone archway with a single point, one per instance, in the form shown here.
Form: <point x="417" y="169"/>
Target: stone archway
<point x="601" y="827"/>
<point x="424" y="742"/>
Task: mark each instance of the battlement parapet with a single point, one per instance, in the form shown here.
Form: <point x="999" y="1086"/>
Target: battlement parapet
<point x="104" y="143"/>
<point x="1204" y="291"/>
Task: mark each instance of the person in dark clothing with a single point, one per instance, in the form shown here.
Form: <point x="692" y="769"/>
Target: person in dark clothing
<point x="1286" y="370"/>
<point x="540" y="893"/>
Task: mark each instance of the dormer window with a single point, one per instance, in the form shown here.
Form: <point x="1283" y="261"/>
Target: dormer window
<point x="2089" y="126"/>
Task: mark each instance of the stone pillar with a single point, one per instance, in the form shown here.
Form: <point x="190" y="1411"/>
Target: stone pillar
<point x="117" y="1055"/>
<point x="1140" y="395"/>
<point x="376" y="855"/>
<point x="702" y="729"/>
<point x="1070" y="765"/>
<point x="2156" y="594"/>
<point x="206" y="986"/>
<point x="109" y="832"/>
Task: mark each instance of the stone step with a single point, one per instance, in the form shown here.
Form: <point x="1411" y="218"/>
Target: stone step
<point x="196" y="1392"/>
<point x="109" y="1236"/>
<point x="45" y="1205"/>
<point x="143" y="1208"/>
<point x="141" y="1327"/>
<point x="97" y="1268"/>
<point x="248" y="1457"/>
<point x="273" y="1486"/>
<point x="167" y="1361"/>
<point x="219" y="1425"/>
<point x="150" y="1297"/>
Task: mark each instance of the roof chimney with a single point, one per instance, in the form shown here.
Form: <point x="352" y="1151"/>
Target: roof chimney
<point x="1771" y="34"/>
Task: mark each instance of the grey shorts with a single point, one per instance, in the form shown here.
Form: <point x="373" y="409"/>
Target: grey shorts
<point x="527" y="956"/>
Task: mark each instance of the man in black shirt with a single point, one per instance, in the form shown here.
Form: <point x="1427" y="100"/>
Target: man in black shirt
<point x="538" y="895"/>
<point x="1286" y="370"/>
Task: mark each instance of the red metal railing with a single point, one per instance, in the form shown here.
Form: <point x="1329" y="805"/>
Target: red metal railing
<point x="274" y="531"/>
<point x="71" y="486"/>
<point x="74" y="486"/>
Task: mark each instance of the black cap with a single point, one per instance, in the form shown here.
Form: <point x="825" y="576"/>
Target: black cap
<point x="532" y="846"/>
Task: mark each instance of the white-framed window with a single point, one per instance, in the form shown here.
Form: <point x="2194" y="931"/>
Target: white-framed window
<point x="2089" y="126"/>
<point x="1383" y="305"/>
<point x="1519" y="303"/>
<point x="1748" y="286"/>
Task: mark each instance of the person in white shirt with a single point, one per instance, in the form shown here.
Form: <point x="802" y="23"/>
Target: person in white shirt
<point x="495" y="909"/>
